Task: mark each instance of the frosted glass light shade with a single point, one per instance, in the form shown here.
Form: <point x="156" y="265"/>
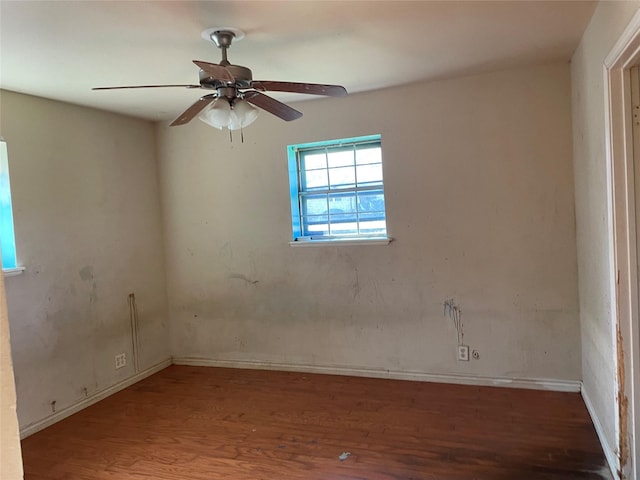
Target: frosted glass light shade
<point x="218" y="115"/>
<point x="242" y="115"/>
<point x="221" y="114"/>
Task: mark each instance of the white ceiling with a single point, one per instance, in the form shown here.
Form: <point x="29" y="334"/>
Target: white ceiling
<point x="60" y="49"/>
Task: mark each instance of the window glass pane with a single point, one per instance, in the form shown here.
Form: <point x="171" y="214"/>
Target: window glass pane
<point x="315" y="179"/>
<point x="314" y="205"/>
<point x="340" y="157"/>
<point x="343" y="177"/>
<point x="313" y="160"/>
<point x="371" y="201"/>
<point x="316" y="225"/>
<point x="369" y="174"/>
<point x="343" y="224"/>
<point x="343" y="203"/>
<point x="368" y="154"/>
<point x="372" y="224"/>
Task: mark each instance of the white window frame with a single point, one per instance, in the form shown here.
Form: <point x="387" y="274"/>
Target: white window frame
<point x="297" y="193"/>
<point x="7" y="234"/>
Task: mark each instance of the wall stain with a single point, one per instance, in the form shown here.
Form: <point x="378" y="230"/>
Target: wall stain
<point x="93" y="296"/>
<point x="377" y="292"/>
<point x="623" y="449"/>
<point x="621" y="398"/>
<point x="86" y="274"/>
<point x="356" y="284"/>
<point x="244" y="278"/>
<point x="226" y="251"/>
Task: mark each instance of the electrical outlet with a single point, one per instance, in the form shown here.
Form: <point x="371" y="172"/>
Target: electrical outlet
<point x="121" y="360"/>
<point x="463" y="353"/>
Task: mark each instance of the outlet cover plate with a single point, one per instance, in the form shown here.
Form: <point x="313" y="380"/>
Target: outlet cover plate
<point x="121" y="360"/>
<point x="463" y="353"/>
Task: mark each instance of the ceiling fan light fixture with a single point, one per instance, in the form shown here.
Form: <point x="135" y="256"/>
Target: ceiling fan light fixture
<point x="243" y="114"/>
<point x="232" y="115"/>
<point x="218" y="115"/>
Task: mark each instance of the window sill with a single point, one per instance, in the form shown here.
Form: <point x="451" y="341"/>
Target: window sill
<point x="12" y="272"/>
<point x="341" y="242"/>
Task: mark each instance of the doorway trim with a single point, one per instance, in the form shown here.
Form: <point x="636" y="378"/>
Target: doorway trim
<point x="623" y="250"/>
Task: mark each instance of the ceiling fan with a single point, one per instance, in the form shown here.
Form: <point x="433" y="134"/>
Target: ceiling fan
<point x="234" y="88"/>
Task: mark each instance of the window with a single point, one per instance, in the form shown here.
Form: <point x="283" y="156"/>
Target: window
<point x="7" y="237"/>
<point x="337" y="192"/>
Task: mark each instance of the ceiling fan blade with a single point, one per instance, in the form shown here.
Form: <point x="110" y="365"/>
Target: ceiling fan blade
<point x="294" y="87"/>
<point x="271" y="105"/>
<point x="194" y="110"/>
<point x="219" y="72"/>
<point x="144" y="86"/>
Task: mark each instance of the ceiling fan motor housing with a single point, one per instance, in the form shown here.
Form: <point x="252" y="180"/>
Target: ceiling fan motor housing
<point x="242" y="75"/>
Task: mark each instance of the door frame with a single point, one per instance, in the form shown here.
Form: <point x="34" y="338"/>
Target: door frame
<point x="623" y="252"/>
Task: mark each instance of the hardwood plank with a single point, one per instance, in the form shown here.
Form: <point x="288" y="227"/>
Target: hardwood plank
<point x="216" y="423"/>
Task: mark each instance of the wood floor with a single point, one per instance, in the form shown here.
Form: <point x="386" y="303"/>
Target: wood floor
<point x="200" y="423"/>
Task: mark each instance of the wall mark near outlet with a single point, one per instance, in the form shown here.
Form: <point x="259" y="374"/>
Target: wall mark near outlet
<point x="135" y="337"/>
<point x="454" y="312"/>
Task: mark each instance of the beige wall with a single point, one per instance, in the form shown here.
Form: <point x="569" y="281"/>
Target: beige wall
<point x="479" y="191"/>
<point x="598" y="346"/>
<point x="479" y="188"/>
<point x="87" y="219"/>
<point x="10" y="459"/>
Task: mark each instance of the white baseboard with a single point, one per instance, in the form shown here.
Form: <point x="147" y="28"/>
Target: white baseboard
<point x="609" y="453"/>
<point x="91" y="399"/>
<point x="528" y="383"/>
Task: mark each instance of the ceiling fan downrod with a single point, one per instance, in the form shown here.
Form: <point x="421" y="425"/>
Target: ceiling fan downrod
<point x="223" y="39"/>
